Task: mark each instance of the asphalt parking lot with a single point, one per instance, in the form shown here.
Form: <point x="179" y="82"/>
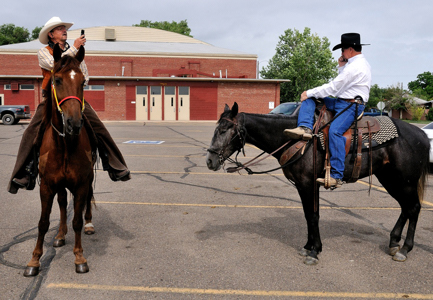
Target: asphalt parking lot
<point x="180" y="231"/>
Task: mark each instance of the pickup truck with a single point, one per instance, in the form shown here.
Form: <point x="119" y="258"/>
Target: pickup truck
<point x="372" y="112"/>
<point x="12" y="114"/>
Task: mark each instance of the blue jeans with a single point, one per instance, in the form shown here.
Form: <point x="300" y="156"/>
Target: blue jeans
<point x="338" y="127"/>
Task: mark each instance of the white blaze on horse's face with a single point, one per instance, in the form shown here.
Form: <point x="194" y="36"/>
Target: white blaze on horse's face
<point x="72" y="74"/>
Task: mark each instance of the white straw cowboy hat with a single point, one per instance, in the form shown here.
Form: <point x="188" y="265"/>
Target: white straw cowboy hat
<point x="50" y="25"/>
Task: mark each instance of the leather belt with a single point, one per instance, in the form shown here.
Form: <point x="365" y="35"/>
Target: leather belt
<point x="353" y="101"/>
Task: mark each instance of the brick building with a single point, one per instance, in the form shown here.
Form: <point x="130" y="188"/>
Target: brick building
<point x="141" y="73"/>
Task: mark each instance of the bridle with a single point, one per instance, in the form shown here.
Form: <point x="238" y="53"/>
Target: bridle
<point x="240" y="133"/>
<point x="54" y="93"/>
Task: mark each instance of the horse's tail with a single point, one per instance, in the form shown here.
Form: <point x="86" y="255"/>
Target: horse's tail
<point x="423" y="181"/>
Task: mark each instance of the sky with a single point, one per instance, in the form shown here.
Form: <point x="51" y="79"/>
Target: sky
<point x="400" y="31"/>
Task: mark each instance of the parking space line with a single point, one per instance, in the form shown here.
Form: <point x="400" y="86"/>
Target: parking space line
<point x="167" y="290"/>
<point x="249" y="206"/>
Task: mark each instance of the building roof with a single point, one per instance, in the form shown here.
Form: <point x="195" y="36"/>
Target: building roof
<point x="136" y="41"/>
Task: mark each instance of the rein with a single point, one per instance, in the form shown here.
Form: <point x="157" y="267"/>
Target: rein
<point x="251" y="162"/>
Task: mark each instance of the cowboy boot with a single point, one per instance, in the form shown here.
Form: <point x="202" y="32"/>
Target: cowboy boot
<point x="298" y="133"/>
<point x="115" y="175"/>
<point x="28" y="181"/>
<point x="333" y="183"/>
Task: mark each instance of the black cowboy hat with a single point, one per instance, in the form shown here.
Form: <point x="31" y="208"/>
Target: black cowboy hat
<point x="349" y="40"/>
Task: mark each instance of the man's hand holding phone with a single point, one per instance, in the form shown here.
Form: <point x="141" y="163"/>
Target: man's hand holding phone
<point x="80" y="41"/>
<point x="342" y="61"/>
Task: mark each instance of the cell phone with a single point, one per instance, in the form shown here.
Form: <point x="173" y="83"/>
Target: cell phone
<point x="82" y="31"/>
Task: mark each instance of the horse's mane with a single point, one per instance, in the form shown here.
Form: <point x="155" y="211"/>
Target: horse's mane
<point x="273" y="117"/>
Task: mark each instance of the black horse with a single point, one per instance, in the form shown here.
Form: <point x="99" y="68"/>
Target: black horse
<point x="401" y="166"/>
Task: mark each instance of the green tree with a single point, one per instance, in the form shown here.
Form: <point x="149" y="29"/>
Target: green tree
<point x="181" y="27"/>
<point x="11" y="34"/>
<point x="35" y="33"/>
<point x="397" y="98"/>
<point x="376" y="95"/>
<point x="305" y="59"/>
<point x="423" y="86"/>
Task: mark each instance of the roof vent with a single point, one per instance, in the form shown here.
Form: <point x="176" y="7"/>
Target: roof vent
<point x="110" y="34"/>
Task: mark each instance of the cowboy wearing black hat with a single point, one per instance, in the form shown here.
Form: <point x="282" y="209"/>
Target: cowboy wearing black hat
<point x="353" y="80"/>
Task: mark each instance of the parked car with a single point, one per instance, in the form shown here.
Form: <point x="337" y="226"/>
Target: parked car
<point x="372" y="112"/>
<point x="428" y="129"/>
<point x="286" y="108"/>
<point x="12" y="114"/>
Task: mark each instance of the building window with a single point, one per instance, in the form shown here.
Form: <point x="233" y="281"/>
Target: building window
<point x="141" y="90"/>
<point x="184" y="90"/>
<point x="27" y="86"/>
<point x="7" y="86"/>
<point x="170" y="90"/>
<point x="155" y="90"/>
<point x="95" y="87"/>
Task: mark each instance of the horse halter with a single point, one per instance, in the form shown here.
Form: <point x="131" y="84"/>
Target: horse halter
<point x="240" y="132"/>
<point x="59" y="108"/>
<point x="64" y="99"/>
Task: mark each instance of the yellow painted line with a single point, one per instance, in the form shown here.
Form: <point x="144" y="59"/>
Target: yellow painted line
<point x="384" y="190"/>
<point x="373" y="186"/>
<point x="245" y="206"/>
<point x="167" y="290"/>
<point x="197" y="173"/>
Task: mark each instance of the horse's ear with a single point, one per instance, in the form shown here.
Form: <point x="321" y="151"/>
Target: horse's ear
<point x="57" y="52"/>
<point x="226" y="108"/>
<point x="80" y="54"/>
<point x="234" y="111"/>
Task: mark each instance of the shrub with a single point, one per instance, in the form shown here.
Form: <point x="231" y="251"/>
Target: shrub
<point x="430" y="114"/>
<point x="417" y="112"/>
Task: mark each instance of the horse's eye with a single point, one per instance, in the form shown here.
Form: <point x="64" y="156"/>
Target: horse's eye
<point x="222" y="130"/>
<point x="58" y="81"/>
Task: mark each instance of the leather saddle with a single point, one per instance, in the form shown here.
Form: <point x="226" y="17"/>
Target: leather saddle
<point x="364" y="125"/>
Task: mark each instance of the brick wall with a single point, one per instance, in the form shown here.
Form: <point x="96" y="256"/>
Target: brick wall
<point x="251" y="97"/>
<point x="207" y="99"/>
<point x="21" y="97"/>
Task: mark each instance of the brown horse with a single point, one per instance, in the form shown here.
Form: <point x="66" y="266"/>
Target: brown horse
<point x="66" y="160"/>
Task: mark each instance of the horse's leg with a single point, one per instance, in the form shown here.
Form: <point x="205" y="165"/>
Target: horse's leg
<point x="395" y="236"/>
<point x="44" y="223"/>
<point x="62" y="199"/>
<point x="314" y="243"/>
<point x="410" y="235"/>
<point x="88" y="226"/>
<point x="405" y="191"/>
<point x="80" y="199"/>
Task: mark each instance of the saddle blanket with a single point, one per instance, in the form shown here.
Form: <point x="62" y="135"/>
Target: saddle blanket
<point x="387" y="132"/>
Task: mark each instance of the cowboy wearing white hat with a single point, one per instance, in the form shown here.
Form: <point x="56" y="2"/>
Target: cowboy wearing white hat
<point x="55" y="31"/>
<point x="25" y="170"/>
<point x="52" y="23"/>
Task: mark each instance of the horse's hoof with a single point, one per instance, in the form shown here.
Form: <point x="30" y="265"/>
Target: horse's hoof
<point x="393" y="251"/>
<point x="82" y="268"/>
<point x="89" y="229"/>
<point x="31" y="271"/>
<point x="304" y="252"/>
<point x="399" y="257"/>
<point x="59" y="243"/>
<point x="310" y="261"/>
